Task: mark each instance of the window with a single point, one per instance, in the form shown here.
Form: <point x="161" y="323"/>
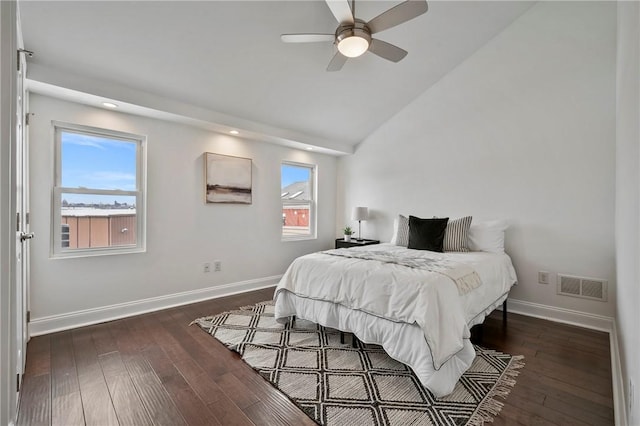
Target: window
<point x="98" y="194"/>
<point x="298" y="201"/>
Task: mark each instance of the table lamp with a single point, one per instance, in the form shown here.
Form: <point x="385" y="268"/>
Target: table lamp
<point x="360" y="214"/>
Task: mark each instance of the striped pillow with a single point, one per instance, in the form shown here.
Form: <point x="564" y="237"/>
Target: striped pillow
<point x="402" y="231"/>
<point x="456" y="236"/>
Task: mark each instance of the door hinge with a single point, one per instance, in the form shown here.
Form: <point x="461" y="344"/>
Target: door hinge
<point x="18" y="382"/>
<point x="26" y="217"/>
<point x="18" y="221"/>
<point x="28" y="316"/>
<point x="29" y="53"/>
<point x="27" y="118"/>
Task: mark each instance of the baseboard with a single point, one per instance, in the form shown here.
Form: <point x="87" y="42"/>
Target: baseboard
<point x="53" y="323"/>
<point x="565" y="316"/>
<point x="586" y="320"/>
<point x="619" y="401"/>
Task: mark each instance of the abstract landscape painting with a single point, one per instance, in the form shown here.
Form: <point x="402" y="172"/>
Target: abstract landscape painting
<point x="227" y="178"/>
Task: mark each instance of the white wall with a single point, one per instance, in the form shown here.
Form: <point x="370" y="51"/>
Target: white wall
<point x="522" y="130"/>
<point x="628" y="198"/>
<point x="182" y="231"/>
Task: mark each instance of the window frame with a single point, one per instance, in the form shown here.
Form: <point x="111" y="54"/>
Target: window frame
<point x="312" y="203"/>
<point x="57" y="251"/>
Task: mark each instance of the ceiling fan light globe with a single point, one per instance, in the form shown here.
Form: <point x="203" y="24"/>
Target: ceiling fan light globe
<point x="353" y="46"/>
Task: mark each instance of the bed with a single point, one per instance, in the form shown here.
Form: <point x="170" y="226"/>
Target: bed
<point x="418" y="305"/>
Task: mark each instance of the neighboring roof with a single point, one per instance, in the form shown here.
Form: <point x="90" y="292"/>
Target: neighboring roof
<point x="92" y="211"/>
<point x="296" y="191"/>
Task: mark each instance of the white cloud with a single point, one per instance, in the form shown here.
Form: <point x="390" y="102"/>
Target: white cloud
<point x="112" y="176"/>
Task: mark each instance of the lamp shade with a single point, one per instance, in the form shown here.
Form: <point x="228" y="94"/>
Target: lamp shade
<point x="360" y="213"/>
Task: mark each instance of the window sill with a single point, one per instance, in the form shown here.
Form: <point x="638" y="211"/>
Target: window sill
<point x="299" y="238"/>
<point x="72" y="254"/>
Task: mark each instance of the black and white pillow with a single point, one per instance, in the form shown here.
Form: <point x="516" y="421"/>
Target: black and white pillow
<point x="456" y="236"/>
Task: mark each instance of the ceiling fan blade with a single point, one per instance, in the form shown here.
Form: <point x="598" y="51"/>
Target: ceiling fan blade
<point x="341" y="10"/>
<point x="306" y="38"/>
<point x="403" y="12"/>
<point x="387" y="51"/>
<point x="337" y="62"/>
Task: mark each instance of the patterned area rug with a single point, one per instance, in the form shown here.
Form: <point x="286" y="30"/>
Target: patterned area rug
<point x="336" y="384"/>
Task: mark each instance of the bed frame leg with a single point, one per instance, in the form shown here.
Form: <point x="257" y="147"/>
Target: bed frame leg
<point x="354" y="341"/>
<point x="342" y="337"/>
<point x="477" y="332"/>
<point x="504" y="312"/>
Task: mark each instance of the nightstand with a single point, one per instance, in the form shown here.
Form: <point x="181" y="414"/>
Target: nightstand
<point x="341" y="243"/>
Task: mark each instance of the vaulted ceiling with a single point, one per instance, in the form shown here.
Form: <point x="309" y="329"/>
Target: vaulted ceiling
<point x="226" y="57"/>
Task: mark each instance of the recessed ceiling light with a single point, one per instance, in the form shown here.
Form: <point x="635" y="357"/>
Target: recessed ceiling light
<point x="110" y="105"/>
<point x="310" y="148"/>
<point x="234" y="132"/>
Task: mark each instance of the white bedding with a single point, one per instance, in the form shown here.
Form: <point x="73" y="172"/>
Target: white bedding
<point x="417" y="316"/>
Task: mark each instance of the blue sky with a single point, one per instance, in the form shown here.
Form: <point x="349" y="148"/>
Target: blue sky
<point x="97" y="163"/>
<point x="291" y="174"/>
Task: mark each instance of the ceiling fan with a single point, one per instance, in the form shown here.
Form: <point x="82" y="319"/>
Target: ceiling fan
<point x="353" y="36"/>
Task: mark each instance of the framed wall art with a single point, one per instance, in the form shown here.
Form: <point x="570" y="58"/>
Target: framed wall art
<point x="227" y="179"/>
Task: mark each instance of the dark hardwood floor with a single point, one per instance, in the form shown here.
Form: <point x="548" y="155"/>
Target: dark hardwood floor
<point x="154" y="369"/>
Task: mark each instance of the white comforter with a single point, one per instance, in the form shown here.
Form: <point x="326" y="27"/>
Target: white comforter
<point x="387" y="304"/>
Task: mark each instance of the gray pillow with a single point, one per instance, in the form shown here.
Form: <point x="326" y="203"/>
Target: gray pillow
<point x="456" y="236"/>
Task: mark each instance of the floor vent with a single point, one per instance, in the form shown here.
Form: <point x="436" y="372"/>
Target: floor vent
<point x="588" y="288"/>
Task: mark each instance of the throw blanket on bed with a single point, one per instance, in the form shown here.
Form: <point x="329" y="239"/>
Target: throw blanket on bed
<point x="464" y="276"/>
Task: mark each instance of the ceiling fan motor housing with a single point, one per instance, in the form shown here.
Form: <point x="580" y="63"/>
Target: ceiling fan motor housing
<point x="359" y="30"/>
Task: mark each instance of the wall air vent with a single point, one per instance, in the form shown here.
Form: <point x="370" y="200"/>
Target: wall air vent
<point x="587" y="288"/>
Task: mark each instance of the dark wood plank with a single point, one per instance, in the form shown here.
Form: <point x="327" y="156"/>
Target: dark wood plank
<point x="96" y="400"/>
<point x="35" y="401"/>
<point x="550" y="416"/>
<point x="66" y="402"/>
<point x="127" y="403"/>
<point x="39" y="356"/>
<point x="206" y="388"/>
<point x="228" y="413"/>
<point x="192" y="408"/>
<point x="154" y="397"/>
<point x="67" y="410"/>
<point x="102" y="339"/>
<point x="153" y="394"/>
<point x="236" y="390"/>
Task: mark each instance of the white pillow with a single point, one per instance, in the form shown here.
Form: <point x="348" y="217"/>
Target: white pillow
<point x="487" y="236"/>
<point x="394" y="237"/>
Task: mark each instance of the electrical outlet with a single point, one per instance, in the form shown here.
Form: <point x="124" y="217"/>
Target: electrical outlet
<point x="217" y="265"/>
<point x="543" y="277"/>
<point x="206" y="267"/>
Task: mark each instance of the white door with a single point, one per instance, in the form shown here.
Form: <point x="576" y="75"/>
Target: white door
<point x="23" y="236"/>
